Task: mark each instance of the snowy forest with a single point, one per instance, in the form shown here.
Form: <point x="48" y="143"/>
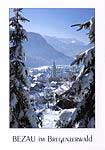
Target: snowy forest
<point x="48" y="88"/>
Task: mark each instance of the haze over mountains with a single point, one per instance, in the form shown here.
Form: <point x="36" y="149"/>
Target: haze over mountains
<point x="68" y="46"/>
<point x="42" y="51"/>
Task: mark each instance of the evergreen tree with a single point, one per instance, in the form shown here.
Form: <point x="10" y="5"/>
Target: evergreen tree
<point x="19" y="97"/>
<point x="83" y="88"/>
<point x="84" y="85"/>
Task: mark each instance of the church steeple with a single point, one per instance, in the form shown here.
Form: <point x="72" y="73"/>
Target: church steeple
<point x="54" y="70"/>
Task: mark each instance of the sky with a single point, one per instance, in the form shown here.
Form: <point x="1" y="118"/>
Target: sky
<point x="57" y="21"/>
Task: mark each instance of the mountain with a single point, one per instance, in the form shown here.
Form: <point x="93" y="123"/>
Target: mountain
<point x="39" y="52"/>
<point x="68" y="46"/>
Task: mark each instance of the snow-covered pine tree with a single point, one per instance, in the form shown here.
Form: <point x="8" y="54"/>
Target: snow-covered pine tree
<point x="84" y="85"/>
<point x="19" y="98"/>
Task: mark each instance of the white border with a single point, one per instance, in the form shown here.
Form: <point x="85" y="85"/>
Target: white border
<point x="99" y="132"/>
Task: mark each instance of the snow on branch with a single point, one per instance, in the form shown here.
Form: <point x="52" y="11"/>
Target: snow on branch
<point x="85" y="57"/>
<point x="88" y="25"/>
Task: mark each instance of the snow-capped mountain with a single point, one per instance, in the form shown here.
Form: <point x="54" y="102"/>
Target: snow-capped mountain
<point x="39" y="52"/>
<point x="68" y="46"/>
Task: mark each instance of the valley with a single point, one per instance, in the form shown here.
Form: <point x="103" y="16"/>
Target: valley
<point x="46" y="84"/>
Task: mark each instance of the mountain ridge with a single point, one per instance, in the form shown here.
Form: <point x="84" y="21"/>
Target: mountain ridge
<point x="68" y="46"/>
<point x="39" y="52"/>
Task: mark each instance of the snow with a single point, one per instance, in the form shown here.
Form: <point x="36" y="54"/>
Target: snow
<point x="65" y="117"/>
<point x="77" y="125"/>
<point x="50" y="118"/>
<point x="61" y="89"/>
<point x="65" y="114"/>
<point x="31" y="114"/>
<point x="35" y="96"/>
<point x="73" y="41"/>
<point x="42" y="68"/>
<point x="33" y="84"/>
<point x="91" y="123"/>
<point x="92" y="25"/>
<point x="88" y="56"/>
<point x="37" y="76"/>
<point x="81" y="73"/>
<point x="21" y="114"/>
<point x="13" y="100"/>
<point x="16" y="59"/>
<point x="53" y="83"/>
<point x="46" y="111"/>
